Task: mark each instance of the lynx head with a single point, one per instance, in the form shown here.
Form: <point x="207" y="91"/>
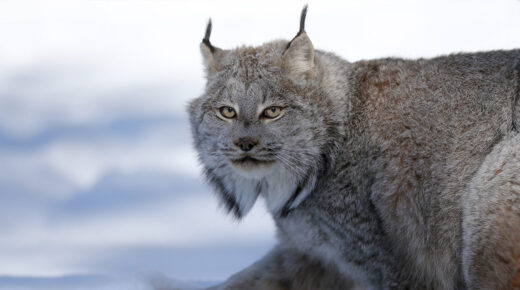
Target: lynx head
<point x="263" y="125"/>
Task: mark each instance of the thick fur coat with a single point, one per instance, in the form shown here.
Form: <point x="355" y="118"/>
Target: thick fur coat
<point x="381" y="174"/>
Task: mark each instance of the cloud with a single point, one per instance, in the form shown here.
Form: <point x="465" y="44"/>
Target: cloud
<point x="180" y="221"/>
<point x="121" y="239"/>
<point x="44" y="97"/>
<point x="75" y="159"/>
<point x="85" y="164"/>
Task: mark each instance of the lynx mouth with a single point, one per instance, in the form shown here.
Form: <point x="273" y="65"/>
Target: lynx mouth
<point x="252" y="167"/>
<point x="250" y="161"/>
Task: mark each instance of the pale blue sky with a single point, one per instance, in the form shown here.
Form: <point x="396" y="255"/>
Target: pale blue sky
<point x="97" y="174"/>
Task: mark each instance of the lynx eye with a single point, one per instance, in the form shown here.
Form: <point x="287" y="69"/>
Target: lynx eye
<point x="272" y="112"/>
<point x="227" y="112"/>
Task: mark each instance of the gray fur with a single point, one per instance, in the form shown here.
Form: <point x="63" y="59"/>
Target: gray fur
<point x="382" y="172"/>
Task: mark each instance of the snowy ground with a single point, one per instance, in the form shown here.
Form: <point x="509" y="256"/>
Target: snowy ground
<point x="99" y="184"/>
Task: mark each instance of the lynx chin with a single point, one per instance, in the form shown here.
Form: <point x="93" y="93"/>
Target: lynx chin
<point x="379" y="174"/>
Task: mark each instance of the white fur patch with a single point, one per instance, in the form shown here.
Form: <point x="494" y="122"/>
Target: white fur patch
<point x="245" y="190"/>
<point x="278" y="185"/>
<point x="281" y="184"/>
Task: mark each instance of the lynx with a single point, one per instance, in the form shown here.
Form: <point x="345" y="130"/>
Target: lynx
<point x="379" y="174"/>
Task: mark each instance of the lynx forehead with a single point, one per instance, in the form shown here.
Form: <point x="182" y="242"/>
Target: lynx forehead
<point x="384" y="174"/>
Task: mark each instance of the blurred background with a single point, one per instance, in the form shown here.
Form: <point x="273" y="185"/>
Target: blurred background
<point x="99" y="185"/>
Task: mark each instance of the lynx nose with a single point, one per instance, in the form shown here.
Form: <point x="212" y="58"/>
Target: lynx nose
<point x="246" y="144"/>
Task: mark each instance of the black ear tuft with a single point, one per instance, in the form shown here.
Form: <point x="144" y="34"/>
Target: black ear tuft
<point x="205" y="40"/>
<point x="211" y="55"/>
<point x="302" y="20"/>
<point x="298" y="57"/>
<point x="303" y="15"/>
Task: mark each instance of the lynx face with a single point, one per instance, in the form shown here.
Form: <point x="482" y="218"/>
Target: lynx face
<point x="261" y="126"/>
<point x="254" y="126"/>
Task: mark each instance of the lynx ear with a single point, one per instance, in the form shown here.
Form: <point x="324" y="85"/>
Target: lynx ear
<point x="211" y="55"/>
<point x="298" y="57"/>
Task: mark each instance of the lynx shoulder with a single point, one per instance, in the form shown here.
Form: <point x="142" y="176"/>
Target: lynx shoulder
<point x="385" y="174"/>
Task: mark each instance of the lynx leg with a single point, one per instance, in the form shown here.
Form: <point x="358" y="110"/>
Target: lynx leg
<point x="491" y="223"/>
<point x="285" y="269"/>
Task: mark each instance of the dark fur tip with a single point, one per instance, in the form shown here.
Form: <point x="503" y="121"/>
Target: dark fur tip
<point x="303" y="15"/>
<point x="302" y="19"/>
<point x="205" y="40"/>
